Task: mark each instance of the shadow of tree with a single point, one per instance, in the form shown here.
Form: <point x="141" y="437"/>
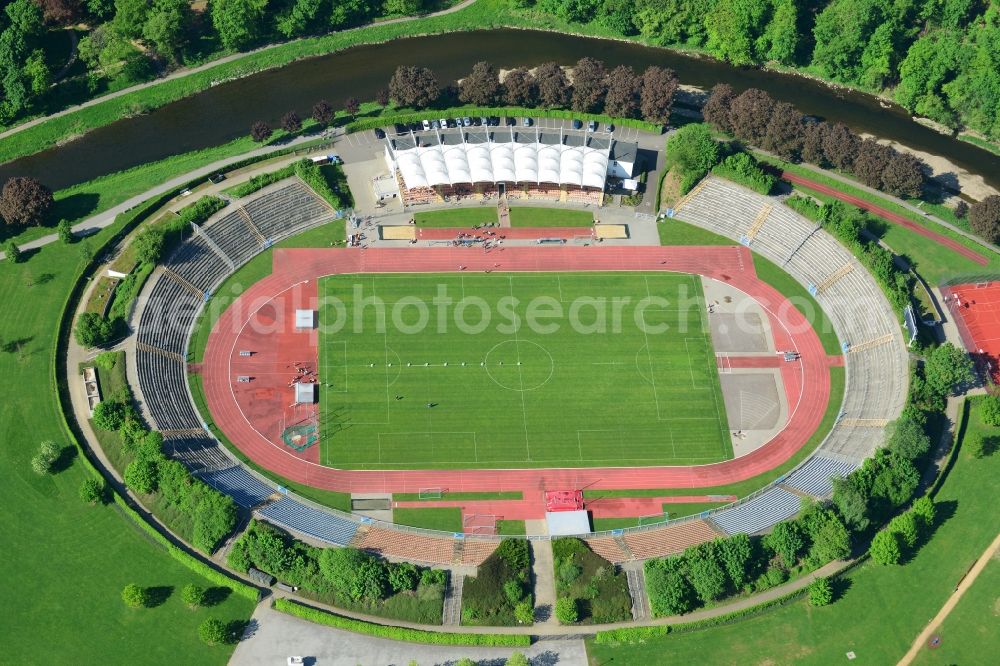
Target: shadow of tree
<point x="159" y="595"/>
<point x="67" y="455"/>
<point x="216" y="595"/>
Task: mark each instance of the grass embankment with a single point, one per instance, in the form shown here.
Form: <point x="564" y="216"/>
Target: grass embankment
<point x="744" y="488"/>
<point x="446" y="519"/>
<point x="932" y="260"/>
<point x="69" y="559"/>
<point x="500" y="592"/>
<point x="879" y="610"/>
<point x="526" y="216"/>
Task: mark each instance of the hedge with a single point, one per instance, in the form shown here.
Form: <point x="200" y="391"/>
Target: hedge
<point x="261" y="181"/>
<point x="417" y="116"/>
<point x="399" y="633"/>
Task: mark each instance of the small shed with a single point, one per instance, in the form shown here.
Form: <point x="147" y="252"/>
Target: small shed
<point x="567" y="523"/>
<point x="259" y="576"/>
<point x="305" y="394"/>
<point x="305" y="319"/>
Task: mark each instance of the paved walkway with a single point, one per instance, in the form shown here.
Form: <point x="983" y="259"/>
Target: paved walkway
<point x="274" y="636"/>
<point x="187" y="71"/>
<point x="952" y="601"/>
<point x="543" y="575"/>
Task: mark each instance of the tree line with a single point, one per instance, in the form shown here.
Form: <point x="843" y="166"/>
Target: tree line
<point x="130" y="41"/>
<point x="588" y="87"/>
<point x="938" y="58"/>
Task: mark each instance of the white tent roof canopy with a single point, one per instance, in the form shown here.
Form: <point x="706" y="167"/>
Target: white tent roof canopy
<point x="500" y="161"/>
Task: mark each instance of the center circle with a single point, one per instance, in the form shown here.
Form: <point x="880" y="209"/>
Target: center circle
<point x="519" y="365"/>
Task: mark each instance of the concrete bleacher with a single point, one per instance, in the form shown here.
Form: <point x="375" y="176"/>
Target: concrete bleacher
<point x="876" y="376"/>
<point x="408" y="545"/>
<point x="197" y="263"/>
<point x="245" y="489"/>
<point x="168" y="316"/>
<point x="321" y="525"/>
<point x="760" y="513"/>
<point x="199" y="451"/>
<point x="234" y="237"/>
<point x="279" y="212"/>
<point x="814" y="477"/>
<point x="670" y="539"/>
<point x="475" y="551"/>
<point x="164" y="389"/>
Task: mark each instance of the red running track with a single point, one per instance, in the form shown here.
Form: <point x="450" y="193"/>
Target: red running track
<point x="889" y="216"/>
<point x="296" y="269"/>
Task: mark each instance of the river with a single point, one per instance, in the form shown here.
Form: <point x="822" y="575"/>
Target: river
<point x="225" y="112"/>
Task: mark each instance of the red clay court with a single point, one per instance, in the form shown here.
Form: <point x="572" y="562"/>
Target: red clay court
<point x="253" y="414"/>
<point x="975" y="308"/>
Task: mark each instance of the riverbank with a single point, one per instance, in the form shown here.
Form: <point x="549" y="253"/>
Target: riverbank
<point x="464" y="17"/>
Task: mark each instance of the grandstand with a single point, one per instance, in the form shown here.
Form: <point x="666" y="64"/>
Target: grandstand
<point x="760" y="513"/>
<point x="321" y="525"/>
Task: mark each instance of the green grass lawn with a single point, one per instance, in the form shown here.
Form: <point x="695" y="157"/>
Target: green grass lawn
<point x="456" y="217"/>
<point x="880" y="610"/>
<point x="415" y="497"/>
<point x="67" y="562"/>
<point x="970" y="630"/>
<point x="511" y="528"/>
<point x="447" y="519"/>
<point x="527" y="397"/>
<point x="526" y="216"/>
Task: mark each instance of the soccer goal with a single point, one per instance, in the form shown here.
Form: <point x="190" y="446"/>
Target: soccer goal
<point x="430" y="493"/>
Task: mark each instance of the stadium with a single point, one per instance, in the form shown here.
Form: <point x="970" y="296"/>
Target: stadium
<point x="314" y="397"/>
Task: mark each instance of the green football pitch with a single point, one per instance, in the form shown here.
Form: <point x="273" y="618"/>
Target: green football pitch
<point x="545" y="370"/>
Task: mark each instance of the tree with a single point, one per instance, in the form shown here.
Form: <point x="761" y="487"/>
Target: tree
<point x="735" y="553"/>
<point x="42" y="462"/>
<point x="948" y="368"/>
<point x="812" y="143"/>
<point x="872" y="160"/>
<point x="622" y="98"/>
<point x="415" y="87"/>
<point x="92" y="330"/>
<point x="354" y="573"/>
<point x="905" y="527"/>
<point x="705" y="572"/>
<point x="989" y="409"/>
<point x="780" y="41"/>
<point x="322" y="112"/>
<point x="830" y="539"/>
<point x="214" y="518"/>
<point x="290" y="122"/>
<point x="923" y="508"/>
<point x="904" y="175"/>
<point x="109" y="415"/>
<point x="148" y="245"/>
<point x="907" y="438"/>
<point x="717" y="105"/>
<point x="566" y="610"/>
<point x="481" y="87"/>
<point x="750" y="114"/>
<point x="513" y="591"/>
<point x="25" y="201"/>
<point x="656" y="96"/>
<point x="213" y="632"/>
<point x="519" y="88"/>
<point x="260" y="131"/>
<point x="239" y="23"/>
<point x="141" y="476"/>
<point x="135" y="596"/>
<point x="65" y="232"/>
<point x="403" y="577"/>
<point x="167" y="27"/>
<point x="693" y="150"/>
<point x="617" y="15"/>
<point x="670" y="593"/>
<point x="820" y="592"/>
<point x="517" y="659"/>
<point x="553" y="87"/>
<point x="300" y="17"/>
<point x="61" y="12"/>
<point x="733" y="29"/>
<point x="382" y="97"/>
<point x="843" y="30"/>
<point x="352" y="105"/>
<point x="92" y="490"/>
<point x="984" y="218"/>
<point x="840" y="145"/>
<point x="786" y="540"/>
<point x="12" y="252"/>
<point x="784" y="132"/>
<point x="193" y="595"/>
<point x="589" y="85"/>
<point x="405" y="7"/>
<point x="885" y="548"/>
<point x="961" y="209"/>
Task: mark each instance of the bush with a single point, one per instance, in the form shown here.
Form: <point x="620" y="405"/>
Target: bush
<point x="92" y="490"/>
<point x="318" y="177"/>
<point x="42" y="462"/>
<point x="106" y="360"/>
<point x="743" y="169"/>
<point x="13" y="252"/>
<point x="668" y="588"/>
<point x="524" y="612"/>
<point x="989" y="408"/>
<point x="141" y="476"/>
<point x="694" y="151"/>
<point x="567" y="610"/>
<point x="193" y="595"/>
<point x="93" y="330"/>
<point x="213" y="632"/>
<point x="399" y="633"/>
<point x="517" y="659"/>
<point x="820" y="592"/>
<point x="513" y="591"/>
<point x="135" y="596"/>
<point x="261" y="181"/>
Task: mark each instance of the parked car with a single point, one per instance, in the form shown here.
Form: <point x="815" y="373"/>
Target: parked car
<point x="510" y="121"/>
<point x="379" y="133"/>
<point x="467" y="121"/>
<point x="427" y="125"/>
<point x="436" y="124"/>
<point x="592" y="126"/>
<point x="577" y="124"/>
<point x="400" y="128"/>
<point x="217" y="178"/>
<point x="494" y="121"/>
<point x="526" y="121"/>
<point x="483" y="120"/>
<point x="610" y="127"/>
<point x="443" y="123"/>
